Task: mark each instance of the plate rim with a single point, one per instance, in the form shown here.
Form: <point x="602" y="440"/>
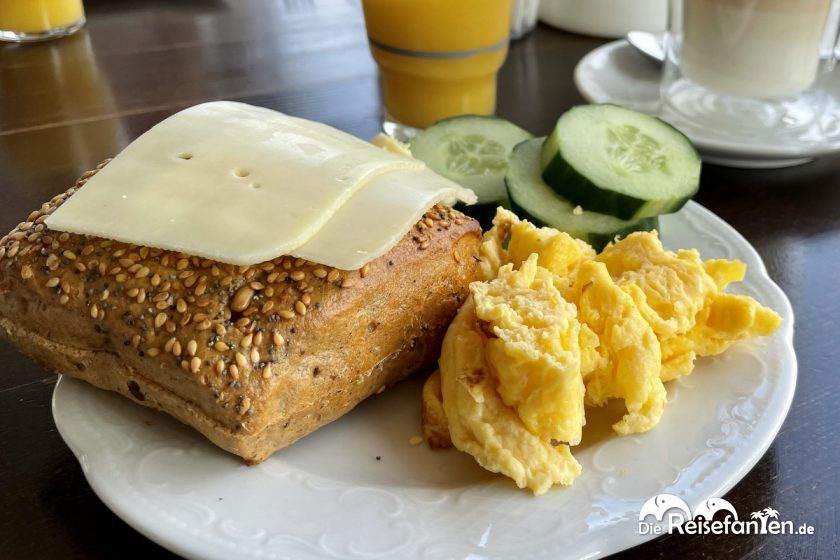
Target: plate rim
<point x="190" y="547"/>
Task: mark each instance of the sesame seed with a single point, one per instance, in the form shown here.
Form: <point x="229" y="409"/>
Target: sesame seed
<point x="267" y="307"/>
<point x="258" y="338"/>
<point x="220" y="329"/>
<point x="277" y="339"/>
<point x="105" y="293"/>
<point x="347" y="283"/>
<point x="155" y="281"/>
<point x="181" y="305"/>
<point x="170" y="327"/>
<point x="234" y="371"/>
<point x="160" y="319"/>
<point x="52" y="261"/>
<point x="220" y="346"/>
<point x="182" y="264"/>
<point x="266" y="372"/>
<point x="424" y="245"/>
<point x="142" y="272"/>
<point x="241" y="360"/>
<point x="195" y="364"/>
<point x="132" y="292"/>
<point x="257" y="285"/>
<point x="176" y="348"/>
<point x="152" y="352"/>
<point x="247" y="340"/>
<point x="306" y="299"/>
<point x="121" y="277"/>
<point x="255" y="356"/>
<point x="250" y="311"/>
<point x="69" y="255"/>
<point x="94" y="311"/>
<point x="364" y="270"/>
<point x="244" y="406"/>
<point x="141" y="296"/>
<point x="319" y="273"/>
<point x="161" y="305"/>
<point x="52" y="282"/>
<point x="333" y="275"/>
<point x="297" y="275"/>
<point x="242" y="298"/>
<point x="64" y="299"/>
<point x="286" y="313"/>
<point x="204" y="325"/>
<point x="135" y="340"/>
<point x="220" y="366"/>
<point x="169" y="344"/>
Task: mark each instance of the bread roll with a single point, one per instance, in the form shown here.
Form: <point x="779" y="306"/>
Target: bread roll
<point x="252" y="357"/>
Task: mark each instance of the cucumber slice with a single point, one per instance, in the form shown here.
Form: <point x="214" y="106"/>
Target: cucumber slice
<point x="473" y="151"/>
<point x="535" y="201"/>
<point x="617" y="161"/>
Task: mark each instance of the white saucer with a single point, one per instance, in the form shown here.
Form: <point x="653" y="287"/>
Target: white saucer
<point x="616" y="73"/>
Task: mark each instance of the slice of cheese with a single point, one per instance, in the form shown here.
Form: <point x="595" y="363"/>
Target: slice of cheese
<point x="378" y="216"/>
<point x="229" y="182"/>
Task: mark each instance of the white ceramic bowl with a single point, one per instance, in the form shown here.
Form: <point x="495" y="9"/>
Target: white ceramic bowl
<point x="605" y="18"/>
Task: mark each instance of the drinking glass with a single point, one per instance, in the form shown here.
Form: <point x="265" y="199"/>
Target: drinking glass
<point x="39" y="20"/>
<point x="756" y="69"/>
<point x="437" y="58"/>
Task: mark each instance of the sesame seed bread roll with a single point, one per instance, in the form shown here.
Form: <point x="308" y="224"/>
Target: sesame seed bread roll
<point x="252" y="357"/>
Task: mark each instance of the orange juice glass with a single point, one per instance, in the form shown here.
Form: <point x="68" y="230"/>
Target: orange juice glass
<point x="38" y="20"/>
<point x="437" y="58"/>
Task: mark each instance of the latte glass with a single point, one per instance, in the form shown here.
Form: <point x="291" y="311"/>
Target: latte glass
<point x="754" y="67"/>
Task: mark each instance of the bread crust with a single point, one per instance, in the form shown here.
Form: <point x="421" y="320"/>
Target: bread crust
<point x="252" y="357"/>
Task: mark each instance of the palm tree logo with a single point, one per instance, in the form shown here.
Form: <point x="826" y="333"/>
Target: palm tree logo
<point x="763" y="515"/>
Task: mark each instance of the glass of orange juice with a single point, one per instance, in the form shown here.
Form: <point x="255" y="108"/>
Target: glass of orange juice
<point x="38" y="20"/>
<point x="437" y="58"/>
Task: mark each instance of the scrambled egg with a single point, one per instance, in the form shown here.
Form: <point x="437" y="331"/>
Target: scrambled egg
<point x="481" y="424"/>
<point x="553" y="327"/>
<point x="628" y="348"/>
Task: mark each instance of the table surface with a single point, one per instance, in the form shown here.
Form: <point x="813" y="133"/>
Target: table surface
<point x="66" y="105"/>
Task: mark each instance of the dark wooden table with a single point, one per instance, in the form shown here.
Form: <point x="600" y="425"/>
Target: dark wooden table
<point x="66" y="105"/>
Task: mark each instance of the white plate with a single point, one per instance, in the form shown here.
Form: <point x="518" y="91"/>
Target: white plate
<point x="328" y="497"/>
<point x="616" y="73"/>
